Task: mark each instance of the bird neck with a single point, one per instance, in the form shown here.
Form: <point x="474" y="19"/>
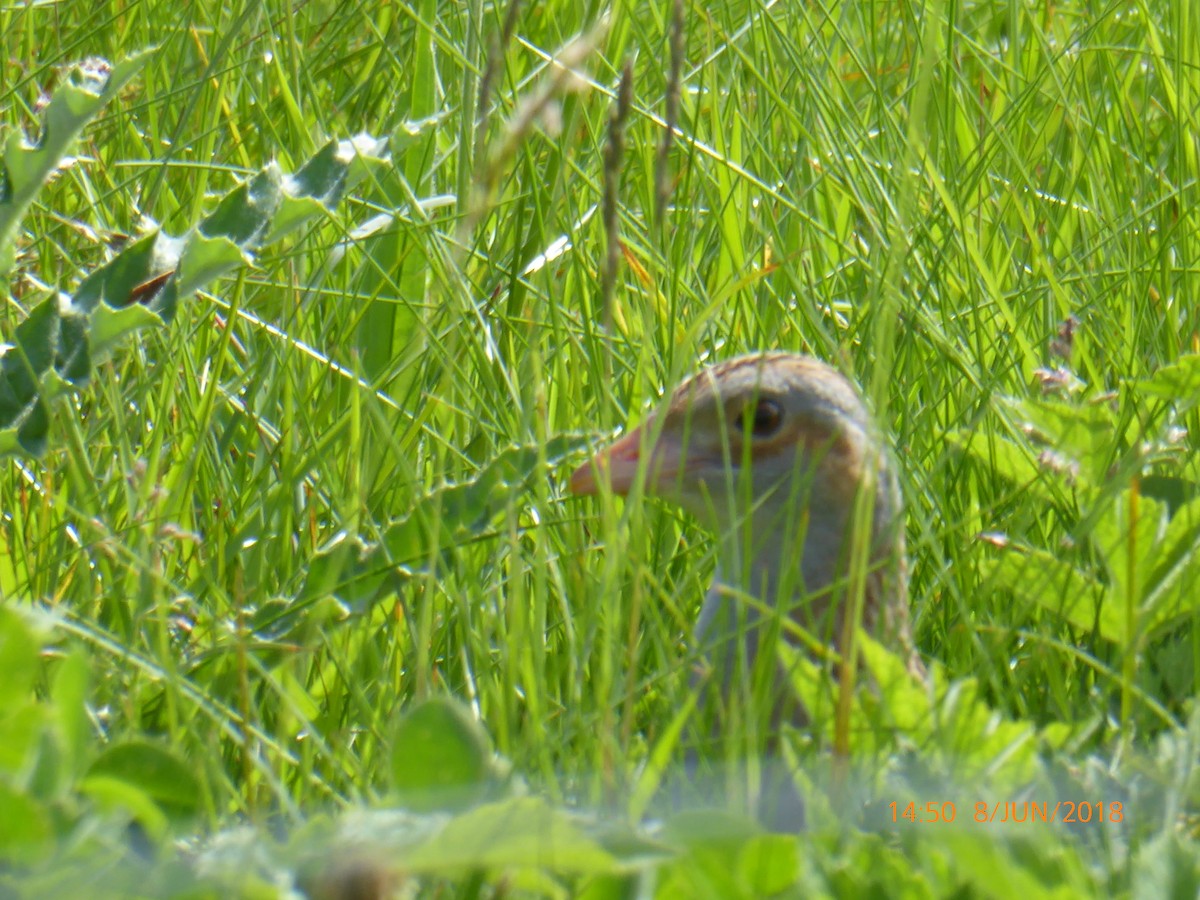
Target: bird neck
<point x="794" y="557"/>
<point x="779" y="555"/>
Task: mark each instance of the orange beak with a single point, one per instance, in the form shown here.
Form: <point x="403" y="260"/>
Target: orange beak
<point x="617" y="463"/>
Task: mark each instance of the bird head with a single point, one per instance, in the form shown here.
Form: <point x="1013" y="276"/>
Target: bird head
<point x="768" y="451"/>
<point x="773" y="425"/>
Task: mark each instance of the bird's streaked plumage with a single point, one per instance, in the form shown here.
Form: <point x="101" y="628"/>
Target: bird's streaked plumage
<point x="771" y="452"/>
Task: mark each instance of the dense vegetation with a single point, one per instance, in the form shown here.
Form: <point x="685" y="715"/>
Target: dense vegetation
<point x="292" y="591"/>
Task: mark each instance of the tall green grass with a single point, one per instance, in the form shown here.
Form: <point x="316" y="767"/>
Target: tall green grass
<point x="921" y="194"/>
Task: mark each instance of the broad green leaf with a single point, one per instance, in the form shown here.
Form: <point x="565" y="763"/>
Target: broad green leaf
<point x="110" y="793"/>
<point x="811" y="684"/>
<point x="904" y="703"/>
<point x="1164" y="553"/>
<point x="1038" y="577"/>
<point x="769" y="864"/>
<point x="320" y="183"/>
<point x="466" y="509"/>
<point x="1083" y="434"/>
<point x="207" y="258"/>
<point x="524" y="832"/>
<point x="441" y="758"/>
<point x="989" y="867"/>
<point x="21" y="728"/>
<point x="1172" y="490"/>
<point x="1007" y="459"/>
<point x="1178" y="383"/>
<point x="356" y="571"/>
<point x="57" y="345"/>
<point x="29" y="434"/>
<point x="25" y="828"/>
<point x="1168" y="866"/>
<point x="23" y="412"/>
<point x="977" y="741"/>
<point x="114" y="282"/>
<point x="154" y="771"/>
<point x="711" y="844"/>
<point x="1172" y="586"/>
<point x="871" y="867"/>
<point x="69" y="697"/>
<point x="1127" y="538"/>
<point x="242" y="215"/>
<point x="18" y="662"/>
<point x="26" y="167"/>
<point x="110" y="325"/>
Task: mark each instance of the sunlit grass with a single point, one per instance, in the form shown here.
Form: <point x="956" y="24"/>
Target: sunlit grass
<point x="922" y="202"/>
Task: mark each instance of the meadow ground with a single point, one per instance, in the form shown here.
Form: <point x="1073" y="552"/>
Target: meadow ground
<point x="331" y="487"/>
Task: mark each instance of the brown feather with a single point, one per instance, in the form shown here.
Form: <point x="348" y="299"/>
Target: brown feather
<point x="770" y="451"/>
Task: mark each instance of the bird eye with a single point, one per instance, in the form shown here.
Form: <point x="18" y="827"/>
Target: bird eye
<point x="761" y="420"/>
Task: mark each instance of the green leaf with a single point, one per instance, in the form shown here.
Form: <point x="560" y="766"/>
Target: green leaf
<point x="25" y="834"/>
<point x="1170" y="489"/>
<point x="1038" y="577"/>
<point x="242" y="215"/>
<point x="21" y="730"/>
<point x="55" y="349"/>
<point x="113" y="283"/>
<point x="23" y="413"/>
<point x="1082" y="434"/>
<point x="29" y="435"/>
<point x="988" y="866"/>
<point x="25" y="167"/>
<point x="712" y="846"/>
<point x="811" y="684"/>
<point x="348" y="568"/>
<point x="461" y="511"/>
<point x="769" y="864"/>
<point x="1163" y="554"/>
<point x="1168" y="866"/>
<point x="110" y="793"/>
<point x="903" y="705"/>
<point x="441" y="758"/>
<point x="110" y="325"/>
<point x="154" y="771"/>
<point x="1172" y="585"/>
<point x="980" y="741"/>
<point x="357" y="571"/>
<point x="206" y="259"/>
<point x="1006" y="458"/>
<point x="1129" y="547"/>
<point x="524" y="832"/>
<point x="320" y="183"/>
<point x="1178" y="383"/>
<point x="70" y="707"/>
<point x="18" y="662"/>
